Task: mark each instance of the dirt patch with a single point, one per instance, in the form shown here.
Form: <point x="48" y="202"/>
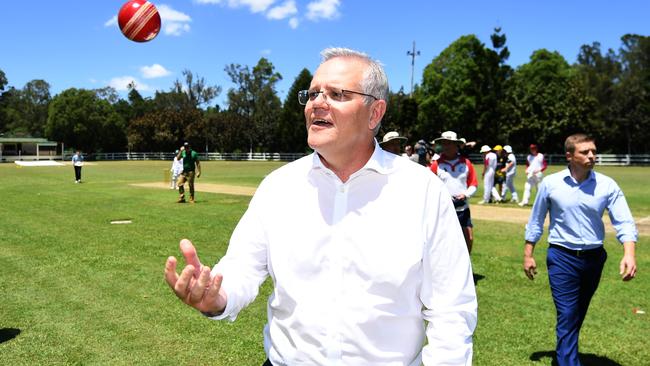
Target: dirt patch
<point x="207" y="187"/>
<point x="501" y="213"/>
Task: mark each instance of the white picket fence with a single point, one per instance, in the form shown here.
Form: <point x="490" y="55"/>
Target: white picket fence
<point x="556" y="159"/>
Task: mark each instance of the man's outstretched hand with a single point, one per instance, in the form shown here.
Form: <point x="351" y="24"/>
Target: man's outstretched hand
<point x="195" y="286"/>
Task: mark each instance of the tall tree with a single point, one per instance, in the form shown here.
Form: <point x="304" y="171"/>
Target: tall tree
<point x="545" y="102"/>
<point x="198" y="94"/>
<point x="3" y="80"/>
<point x="291" y="134"/>
<point x="79" y="118"/>
<point x="599" y="74"/>
<point x="255" y="100"/>
<point x="401" y="115"/>
<point x="632" y="100"/>
<point x="24" y="112"/>
<point x="457" y="91"/>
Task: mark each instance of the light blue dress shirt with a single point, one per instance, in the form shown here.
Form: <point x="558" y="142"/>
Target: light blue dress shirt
<point x="576" y="211"/>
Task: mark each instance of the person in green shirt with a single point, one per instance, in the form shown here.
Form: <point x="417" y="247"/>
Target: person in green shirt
<point x="191" y="168"/>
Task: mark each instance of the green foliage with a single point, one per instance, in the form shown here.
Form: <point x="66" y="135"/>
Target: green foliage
<point x="401" y="115"/>
<point x="545" y="102"/>
<point x="255" y="101"/>
<point x="291" y="131"/>
<point x="80" y="119"/>
<point x="459" y="91"/>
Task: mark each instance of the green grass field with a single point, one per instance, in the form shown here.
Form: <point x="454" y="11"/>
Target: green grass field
<point x="78" y="290"/>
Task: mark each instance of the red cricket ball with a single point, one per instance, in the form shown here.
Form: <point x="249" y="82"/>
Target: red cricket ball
<point x="139" y="20"/>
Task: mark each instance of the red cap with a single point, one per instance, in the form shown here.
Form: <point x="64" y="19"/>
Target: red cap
<point x="533" y="146"/>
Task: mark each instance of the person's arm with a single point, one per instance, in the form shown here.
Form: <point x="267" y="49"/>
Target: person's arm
<point x="447" y="290"/>
<point x="626" y="233"/>
<point x="530" y="267"/>
<point x="628" y="263"/>
<point x="534" y="229"/>
<point x="198" y="168"/>
<point x="472" y="181"/>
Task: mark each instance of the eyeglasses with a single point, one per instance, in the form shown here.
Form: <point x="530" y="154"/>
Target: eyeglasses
<point x="341" y="95"/>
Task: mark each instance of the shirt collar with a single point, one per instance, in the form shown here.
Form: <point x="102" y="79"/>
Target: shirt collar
<point x="379" y="161"/>
<point x="567" y="175"/>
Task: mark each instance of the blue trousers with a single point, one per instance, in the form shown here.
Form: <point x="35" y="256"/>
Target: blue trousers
<point x="573" y="279"/>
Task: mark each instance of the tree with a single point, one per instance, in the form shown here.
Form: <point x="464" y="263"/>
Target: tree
<point x="458" y="91"/>
<point x="598" y="75"/>
<point x="195" y="90"/>
<point x="291" y="134"/>
<point x="632" y="95"/>
<point x="80" y="119"/>
<point x="545" y="102"/>
<point x="401" y="116"/>
<point x="24" y="112"/>
<point x="255" y="100"/>
<point x="161" y="130"/>
<point x="3" y="80"/>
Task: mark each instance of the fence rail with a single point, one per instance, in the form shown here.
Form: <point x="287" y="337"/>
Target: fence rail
<point x="556" y="159"/>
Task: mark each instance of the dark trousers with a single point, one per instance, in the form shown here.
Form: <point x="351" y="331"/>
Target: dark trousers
<point x="574" y="280"/>
<point x="77" y="173"/>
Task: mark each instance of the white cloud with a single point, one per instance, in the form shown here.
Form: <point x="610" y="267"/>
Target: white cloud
<point x="121" y="83"/>
<point x="282" y="11"/>
<point x="323" y="9"/>
<point x="255" y="6"/>
<point x="293" y="23"/>
<point x="154" y="71"/>
<point x="174" y="22"/>
<point x="111" y="22"/>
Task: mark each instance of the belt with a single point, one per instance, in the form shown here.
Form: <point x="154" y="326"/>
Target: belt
<point x="579" y="253"/>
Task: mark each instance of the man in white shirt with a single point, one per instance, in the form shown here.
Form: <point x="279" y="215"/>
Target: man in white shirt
<point x="535" y="165"/>
<point x="347" y="291"/>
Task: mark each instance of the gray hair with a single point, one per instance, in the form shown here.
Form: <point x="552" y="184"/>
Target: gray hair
<point x="374" y="80"/>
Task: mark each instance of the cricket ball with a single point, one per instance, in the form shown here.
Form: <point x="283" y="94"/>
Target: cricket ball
<point x="139" y="20"/>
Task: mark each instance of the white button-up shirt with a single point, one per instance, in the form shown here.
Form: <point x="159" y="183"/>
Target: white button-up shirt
<point x="357" y="267"/>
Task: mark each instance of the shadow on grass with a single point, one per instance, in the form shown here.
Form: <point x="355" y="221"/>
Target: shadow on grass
<point x="477" y="277"/>
<point x="7" y="334"/>
<point x="587" y="359"/>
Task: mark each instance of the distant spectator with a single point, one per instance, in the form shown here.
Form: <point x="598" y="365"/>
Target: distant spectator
<point x="77" y="163"/>
<point x="191" y="169"/>
<point x="392" y="142"/>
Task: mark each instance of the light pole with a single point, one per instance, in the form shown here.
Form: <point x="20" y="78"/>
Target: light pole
<point x="412" y="53"/>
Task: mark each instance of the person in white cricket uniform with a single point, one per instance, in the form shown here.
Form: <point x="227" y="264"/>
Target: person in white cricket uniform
<point x="177" y="169"/>
<point x="511" y="172"/>
<point x="489" y="167"/>
<point x="535" y="166"/>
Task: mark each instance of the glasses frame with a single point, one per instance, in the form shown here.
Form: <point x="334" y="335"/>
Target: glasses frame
<point x="307" y="94"/>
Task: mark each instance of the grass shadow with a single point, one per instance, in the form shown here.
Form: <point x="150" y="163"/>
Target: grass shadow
<point x="7" y="334"/>
<point x="477" y="277"/>
<point x="587" y="359"/>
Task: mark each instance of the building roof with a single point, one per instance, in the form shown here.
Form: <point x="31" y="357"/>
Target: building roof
<point x="28" y="140"/>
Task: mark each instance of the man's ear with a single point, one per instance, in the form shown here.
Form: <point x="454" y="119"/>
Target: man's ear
<point x="377" y="111"/>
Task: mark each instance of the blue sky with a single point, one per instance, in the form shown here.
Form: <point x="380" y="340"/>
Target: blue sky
<point x="74" y="43"/>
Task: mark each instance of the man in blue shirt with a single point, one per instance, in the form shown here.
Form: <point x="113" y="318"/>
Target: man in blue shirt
<point x="576" y="199"/>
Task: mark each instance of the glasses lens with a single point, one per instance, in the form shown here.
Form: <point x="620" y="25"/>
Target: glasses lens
<point x="303" y="96"/>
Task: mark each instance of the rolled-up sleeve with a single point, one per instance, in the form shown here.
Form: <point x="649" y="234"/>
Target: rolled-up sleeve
<point x="447" y="291"/>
